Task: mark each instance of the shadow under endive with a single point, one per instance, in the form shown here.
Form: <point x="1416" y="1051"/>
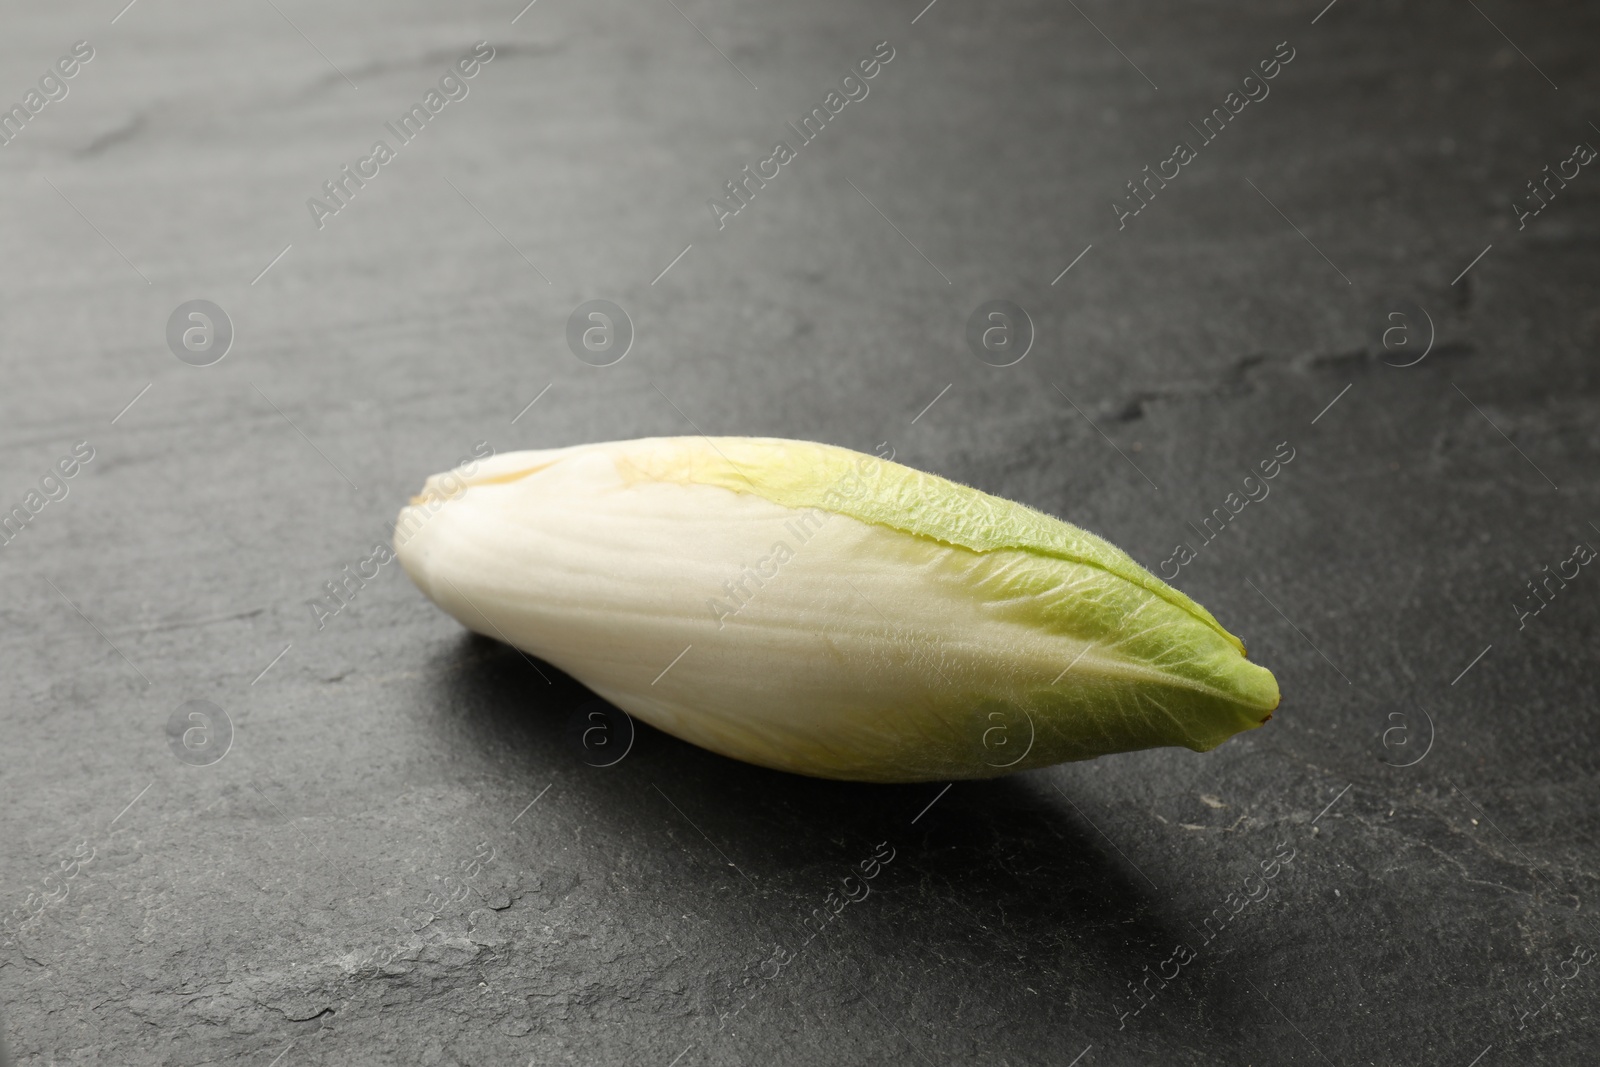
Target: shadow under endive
<point x="1003" y="874"/>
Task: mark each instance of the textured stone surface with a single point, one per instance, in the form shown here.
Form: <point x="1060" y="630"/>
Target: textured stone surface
<point x="361" y="878"/>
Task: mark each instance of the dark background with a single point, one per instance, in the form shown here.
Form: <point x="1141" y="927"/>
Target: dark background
<point x="361" y="880"/>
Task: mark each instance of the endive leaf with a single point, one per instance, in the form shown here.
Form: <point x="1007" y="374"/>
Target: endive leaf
<point x="805" y="474"/>
<point x="827" y="612"/>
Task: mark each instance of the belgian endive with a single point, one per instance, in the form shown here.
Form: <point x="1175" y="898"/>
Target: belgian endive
<point x="822" y="611"/>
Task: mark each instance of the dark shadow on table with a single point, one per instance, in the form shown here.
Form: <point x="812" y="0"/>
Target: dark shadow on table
<point x="1002" y="876"/>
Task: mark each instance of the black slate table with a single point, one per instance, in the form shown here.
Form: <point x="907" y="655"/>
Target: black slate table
<point x="405" y="852"/>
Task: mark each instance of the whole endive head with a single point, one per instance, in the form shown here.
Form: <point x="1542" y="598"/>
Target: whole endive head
<point x="823" y="611"/>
